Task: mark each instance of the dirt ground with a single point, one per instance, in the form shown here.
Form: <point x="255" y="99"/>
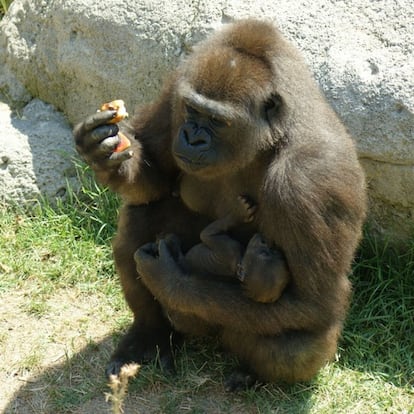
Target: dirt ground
<point x="57" y="357"/>
<point x="36" y="350"/>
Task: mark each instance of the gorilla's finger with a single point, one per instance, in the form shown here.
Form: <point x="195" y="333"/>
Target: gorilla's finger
<point x="106" y="160"/>
<point x="174" y="245"/>
<point x="101" y="132"/>
<point x="149" y="250"/>
<point x="172" y="239"/>
<point x="106" y="147"/>
<point x="93" y="121"/>
<point x="87" y="144"/>
<point x="82" y="130"/>
<point x="118" y="157"/>
<point x="163" y="249"/>
<point x="140" y="257"/>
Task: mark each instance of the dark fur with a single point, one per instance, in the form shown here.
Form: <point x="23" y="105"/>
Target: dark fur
<point x="262" y="270"/>
<point x="219" y="253"/>
<point x="287" y="149"/>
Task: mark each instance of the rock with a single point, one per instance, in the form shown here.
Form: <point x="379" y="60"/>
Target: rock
<point x="89" y="52"/>
<point x="78" y="54"/>
<point x="31" y="164"/>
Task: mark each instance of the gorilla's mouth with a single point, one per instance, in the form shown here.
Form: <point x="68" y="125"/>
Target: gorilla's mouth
<point x="190" y="163"/>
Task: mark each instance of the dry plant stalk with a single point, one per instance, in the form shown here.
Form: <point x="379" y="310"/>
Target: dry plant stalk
<point x="119" y="386"/>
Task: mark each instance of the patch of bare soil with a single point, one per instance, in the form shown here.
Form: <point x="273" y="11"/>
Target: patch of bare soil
<point x="33" y="347"/>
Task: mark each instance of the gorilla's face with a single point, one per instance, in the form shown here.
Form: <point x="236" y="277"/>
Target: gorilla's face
<point x="214" y="137"/>
<point x="208" y="141"/>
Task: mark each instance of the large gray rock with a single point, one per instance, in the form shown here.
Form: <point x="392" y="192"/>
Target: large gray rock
<point x="77" y="54"/>
<point x="31" y="164"/>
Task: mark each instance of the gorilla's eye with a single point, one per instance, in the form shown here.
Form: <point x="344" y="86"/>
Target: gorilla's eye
<point x="269" y="104"/>
<point x="190" y="111"/>
<point x="272" y="105"/>
<point x="218" y="122"/>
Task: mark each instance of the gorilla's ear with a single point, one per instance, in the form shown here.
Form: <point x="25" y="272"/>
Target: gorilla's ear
<point x="272" y="107"/>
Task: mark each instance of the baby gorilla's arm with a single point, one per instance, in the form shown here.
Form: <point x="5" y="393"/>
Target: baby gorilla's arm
<point x="219" y="253"/>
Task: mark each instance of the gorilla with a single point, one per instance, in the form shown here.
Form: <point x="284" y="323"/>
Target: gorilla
<point x="220" y="254"/>
<point x="240" y="115"/>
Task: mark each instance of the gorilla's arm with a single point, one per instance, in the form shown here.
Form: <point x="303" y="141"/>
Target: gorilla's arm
<point x="219" y="301"/>
<point x="219" y="253"/>
<point x="221" y="258"/>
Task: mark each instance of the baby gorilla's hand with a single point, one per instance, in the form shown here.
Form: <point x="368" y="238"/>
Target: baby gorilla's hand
<point x="245" y="208"/>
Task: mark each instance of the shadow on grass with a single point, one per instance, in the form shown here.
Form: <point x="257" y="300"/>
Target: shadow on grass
<point x="78" y="386"/>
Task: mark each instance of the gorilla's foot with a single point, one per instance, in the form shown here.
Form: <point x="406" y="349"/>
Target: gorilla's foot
<point x="143" y="346"/>
<point x="240" y="380"/>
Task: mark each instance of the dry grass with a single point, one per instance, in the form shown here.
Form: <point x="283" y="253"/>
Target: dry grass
<point x="119" y="387"/>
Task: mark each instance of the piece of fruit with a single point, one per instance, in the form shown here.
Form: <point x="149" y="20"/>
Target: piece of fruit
<point x="124" y="143"/>
<point x="117" y="105"/>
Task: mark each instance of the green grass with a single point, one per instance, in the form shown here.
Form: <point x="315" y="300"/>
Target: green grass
<point x="53" y="250"/>
<point x="4" y="5"/>
<point x="380" y="328"/>
<point x="63" y="245"/>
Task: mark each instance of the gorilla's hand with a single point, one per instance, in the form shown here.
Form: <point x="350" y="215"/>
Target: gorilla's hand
<point x="159" y="263"/>
<point x="96" y="141"/>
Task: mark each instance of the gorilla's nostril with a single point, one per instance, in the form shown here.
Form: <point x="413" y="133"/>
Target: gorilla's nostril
<point x="197" y="141"/>
<point x="200" y="139"/>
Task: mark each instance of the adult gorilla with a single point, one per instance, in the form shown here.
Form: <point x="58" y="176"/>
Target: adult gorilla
<point x="240" y="116"/>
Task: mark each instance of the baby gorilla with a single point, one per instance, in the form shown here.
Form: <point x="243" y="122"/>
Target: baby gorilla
<point x="262" y="270"/>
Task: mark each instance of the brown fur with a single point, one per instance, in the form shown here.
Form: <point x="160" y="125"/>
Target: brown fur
<point x="262" y="271"/>
<point x="287" y="149"/>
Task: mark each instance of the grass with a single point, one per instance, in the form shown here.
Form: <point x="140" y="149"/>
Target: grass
<point x="63" y="245"/>
<point x="4" y="5"/>
<point x="381" y="322"/>
<point x="63" y="311"/>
